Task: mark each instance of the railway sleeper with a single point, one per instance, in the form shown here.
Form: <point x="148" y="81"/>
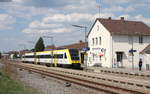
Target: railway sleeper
<point x="103" y="79"/>
<point x="139" y="85"/>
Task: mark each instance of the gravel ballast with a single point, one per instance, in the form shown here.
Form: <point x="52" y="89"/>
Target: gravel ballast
<point x="49" y="85"/>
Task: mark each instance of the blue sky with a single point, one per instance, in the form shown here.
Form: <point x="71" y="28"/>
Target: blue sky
<point x="22" y="22"/>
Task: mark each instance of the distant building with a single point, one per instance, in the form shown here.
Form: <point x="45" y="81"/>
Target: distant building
<point x="117" y="43"/>
<point x="5" y="55"/>
<point x="78" y="45"/>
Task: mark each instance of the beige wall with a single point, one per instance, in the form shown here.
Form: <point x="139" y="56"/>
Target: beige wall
<point x="96" y="48"/>
<point x="113" y="44"/>
<point x="123" y="43"/>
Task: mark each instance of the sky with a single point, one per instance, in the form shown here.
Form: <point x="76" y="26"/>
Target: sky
<point x="22" y="22"/>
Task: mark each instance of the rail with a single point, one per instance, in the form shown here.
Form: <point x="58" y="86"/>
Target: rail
<point x="98" y="82"/>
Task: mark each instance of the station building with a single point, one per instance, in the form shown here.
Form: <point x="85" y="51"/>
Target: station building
<point x="117" y="43"/>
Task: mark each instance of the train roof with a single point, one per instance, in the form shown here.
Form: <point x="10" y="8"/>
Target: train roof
<point x="31" y="53"/>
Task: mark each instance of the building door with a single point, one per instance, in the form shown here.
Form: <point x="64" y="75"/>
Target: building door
<point x="119" y="59"/>
<point x="82" y="58"/>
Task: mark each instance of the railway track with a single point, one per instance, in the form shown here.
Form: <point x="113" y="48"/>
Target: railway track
<point x="106" y="84"/>
<point x="136" y="75"/>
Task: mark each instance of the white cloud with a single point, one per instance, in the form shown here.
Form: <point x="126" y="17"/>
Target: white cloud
<point x="135" y="18"/>
<point x="116" y="1"/>
<point x="43" y="31"/>
<point x="102" y="15"/>
<point x="27" y="12"/>
<point x="73" y="17"/>
<point x="42" y="25"/>
<point x="119" y="9"/>
<point x="55" y="17"/>
<point x="6" y="22"/>
<point x="61" y="30"/>
<point x="142" y="18"/>
<point x="18" y="1"/>
<point x="59" y="23"/>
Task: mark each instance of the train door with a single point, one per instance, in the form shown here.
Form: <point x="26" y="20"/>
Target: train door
<point x="65" y="60"/>
<point x="119" y="59"/>
<point x="82" y="58"/>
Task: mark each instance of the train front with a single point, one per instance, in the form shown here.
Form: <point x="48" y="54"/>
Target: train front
<point x="75" y="58"/>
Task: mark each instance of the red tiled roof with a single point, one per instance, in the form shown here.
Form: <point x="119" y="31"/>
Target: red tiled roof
<point x="79" y="46"/>
<point x="75" y="45"/>
<point x="124" y="27"/>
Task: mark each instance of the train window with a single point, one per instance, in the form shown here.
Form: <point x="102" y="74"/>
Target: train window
<point x="44" y="56"/>
<point x="58" y="55"/>
<point x="30" y="56"/>
<point x="74" y="53"/>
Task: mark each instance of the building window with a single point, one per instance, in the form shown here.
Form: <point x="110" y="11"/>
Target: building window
<point x="140" y="39"/>
<point x="100" y="41"/>
<point x="93" y="41"/>
<point x="96" y="41"/>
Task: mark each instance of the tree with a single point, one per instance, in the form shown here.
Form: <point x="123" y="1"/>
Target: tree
<point x="39" y="45"/>
<point x="15" y="56"/>
<point x="0" y="55"/>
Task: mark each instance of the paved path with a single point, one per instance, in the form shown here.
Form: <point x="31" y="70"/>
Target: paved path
<point x="1" y="65"/>
<point x="119" y="70"/>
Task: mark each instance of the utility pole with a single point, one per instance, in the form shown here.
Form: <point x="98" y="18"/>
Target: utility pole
<point x="24" y="47"/>
<point x="79" y="26"/>
<point x="132" y="54"/>
<point x="52" y="43"/>
<point x="33" y="51"/>
<point x="85" y="28"/>
<point x="99" y="7"/>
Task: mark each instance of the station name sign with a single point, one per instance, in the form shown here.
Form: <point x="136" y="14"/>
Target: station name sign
<point x="99" y="49"/>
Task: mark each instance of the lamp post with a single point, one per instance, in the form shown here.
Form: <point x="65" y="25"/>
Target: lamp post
<point x="85" y="28"/>
<point x="79" y="26"/>
<point x="52" y="43"/>
<point x="132" y="54"/>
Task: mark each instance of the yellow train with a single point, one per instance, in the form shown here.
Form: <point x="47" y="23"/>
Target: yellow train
<point x="63" y="58"/>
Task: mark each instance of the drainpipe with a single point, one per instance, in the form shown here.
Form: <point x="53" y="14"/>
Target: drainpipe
<point x="112" y="52"/>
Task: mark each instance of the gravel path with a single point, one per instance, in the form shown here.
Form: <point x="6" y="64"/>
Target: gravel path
<point x="1" y="65"/>
<point x="48" y="85"/>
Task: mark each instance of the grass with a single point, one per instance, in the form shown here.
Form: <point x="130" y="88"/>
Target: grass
<point x="9" y="86"/>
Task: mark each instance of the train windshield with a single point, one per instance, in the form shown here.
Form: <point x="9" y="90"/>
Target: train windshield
<point x="74" y="53"/>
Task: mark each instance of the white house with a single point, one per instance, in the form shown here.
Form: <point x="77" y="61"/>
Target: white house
<point x="117" y="43"/>
<point x="145" y="54"/>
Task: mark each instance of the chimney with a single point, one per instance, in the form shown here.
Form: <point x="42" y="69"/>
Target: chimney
<point x="109" y="18"/>
<point x="80" y="41"/>
<point x="122" y="18"/>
